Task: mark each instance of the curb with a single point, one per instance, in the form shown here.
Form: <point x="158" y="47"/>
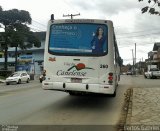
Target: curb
<point x="129" y="112"/>
<point x="126" y="112"/>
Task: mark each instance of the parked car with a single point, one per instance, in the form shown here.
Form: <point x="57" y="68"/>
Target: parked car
<point x="124" y="73"/>
<point x="152" y="73"/>
<point x="18" y="77"/>
<point x="129" y="72"/>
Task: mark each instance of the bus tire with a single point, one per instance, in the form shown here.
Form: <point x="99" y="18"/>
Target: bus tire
<point x="113" y="95"/>
<point x="71" y="93"/>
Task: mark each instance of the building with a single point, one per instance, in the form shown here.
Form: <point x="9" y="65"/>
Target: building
<point x="154" y="55"/>
<point x="34" y="56"/>
<point x="126" y="68"/>
<point x="141" y="67"/>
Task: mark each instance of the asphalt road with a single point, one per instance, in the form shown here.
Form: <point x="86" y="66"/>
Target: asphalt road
<point x="29" y="104"/>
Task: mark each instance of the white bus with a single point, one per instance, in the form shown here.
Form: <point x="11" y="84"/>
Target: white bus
<point x="81" y="56"/>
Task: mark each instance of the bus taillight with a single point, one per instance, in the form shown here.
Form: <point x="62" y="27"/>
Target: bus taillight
<point x="110" y="78"/>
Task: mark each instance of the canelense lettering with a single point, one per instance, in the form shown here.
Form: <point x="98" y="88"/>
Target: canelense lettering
<point x="70" y="73"/>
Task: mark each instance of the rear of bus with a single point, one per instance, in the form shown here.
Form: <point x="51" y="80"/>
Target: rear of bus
<point x="71" y="62"/>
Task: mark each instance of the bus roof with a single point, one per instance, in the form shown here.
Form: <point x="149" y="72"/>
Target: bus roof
<point x="81" y="21"/>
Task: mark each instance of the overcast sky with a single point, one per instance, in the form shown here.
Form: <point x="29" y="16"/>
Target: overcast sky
<point x="131" y="26"/>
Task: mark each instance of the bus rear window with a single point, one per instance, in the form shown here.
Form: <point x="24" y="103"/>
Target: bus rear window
<point x="78" y="39"/>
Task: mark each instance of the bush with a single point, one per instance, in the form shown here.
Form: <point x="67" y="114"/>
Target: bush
<point x="5" y="73"/>
<point x="1" y="77"/>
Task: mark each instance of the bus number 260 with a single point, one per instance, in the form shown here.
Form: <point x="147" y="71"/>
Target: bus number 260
<point x="103" y="66"/>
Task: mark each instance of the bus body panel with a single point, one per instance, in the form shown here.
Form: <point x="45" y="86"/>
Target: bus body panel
<point x="81" y="73"/>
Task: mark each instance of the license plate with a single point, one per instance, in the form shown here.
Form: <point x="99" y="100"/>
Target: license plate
<point x="76" y="80"/>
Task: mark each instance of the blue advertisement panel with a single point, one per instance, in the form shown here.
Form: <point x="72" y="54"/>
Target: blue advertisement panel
<point x="78" y="38"/>
<point x="25" y="63"/>
<point x="23" y="68"/>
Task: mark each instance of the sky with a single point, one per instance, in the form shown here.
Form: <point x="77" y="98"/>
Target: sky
<point x="131" y="26"/>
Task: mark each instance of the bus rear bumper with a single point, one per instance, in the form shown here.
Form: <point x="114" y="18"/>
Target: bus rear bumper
<point x="80" y="87"/>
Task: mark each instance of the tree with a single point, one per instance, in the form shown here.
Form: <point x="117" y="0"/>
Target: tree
<point x="17" y="33"/>
<point x="23" y="38"/>
<point x="152" y="8"/>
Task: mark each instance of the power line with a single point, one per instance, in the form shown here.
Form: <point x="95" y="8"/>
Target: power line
<point x="130" y="45"/>
<point x="138" y="35"/>
<point x="71" y="15"/>
<point x="24" y="32"/>
<point x="39" y="23"/>
<point x="138" y="31"/>
<point x="37" y="30"/>
<point x="28" y="25"/>
<point x="37" y="27"/>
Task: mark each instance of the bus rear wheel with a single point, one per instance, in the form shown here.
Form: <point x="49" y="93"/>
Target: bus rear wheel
<point x="71" y="93"/>
<point x="113" y="95"/>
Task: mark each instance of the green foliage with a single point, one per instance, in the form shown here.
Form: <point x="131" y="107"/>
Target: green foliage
<point x="0" y="9"/>
<point x="152" y="9"/>
<point x="15" y="16"/>
<point x="120" y="61"/>
<point x="145" y="9"/>
<point x="2" y="77"/>
<point x="33" y="40"/>
<point x="17" y="33"/>
<point x="5" y="73"/>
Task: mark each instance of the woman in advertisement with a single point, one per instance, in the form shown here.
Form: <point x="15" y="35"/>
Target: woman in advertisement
<point x="98" y="41"/>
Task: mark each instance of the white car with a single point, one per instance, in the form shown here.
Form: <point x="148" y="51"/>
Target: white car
<point x="18" y="77"/>
<point x="152" y="73"/>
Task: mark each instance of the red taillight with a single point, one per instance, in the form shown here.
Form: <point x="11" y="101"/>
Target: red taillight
<point x="110" y="78"/>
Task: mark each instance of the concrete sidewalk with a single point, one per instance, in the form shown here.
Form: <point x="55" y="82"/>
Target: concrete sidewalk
<point x="144" y="107"/>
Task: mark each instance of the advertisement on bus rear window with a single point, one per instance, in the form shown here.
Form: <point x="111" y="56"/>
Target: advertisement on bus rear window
<point x="78" y="39"/>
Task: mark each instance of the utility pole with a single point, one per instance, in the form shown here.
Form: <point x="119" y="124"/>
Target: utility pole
<point x="135" y="53"/>
<point x="140" y="66"/>
<point x="133" y="60"/>
<point x="71" y="15"/>
<point x="5" y="51"/>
